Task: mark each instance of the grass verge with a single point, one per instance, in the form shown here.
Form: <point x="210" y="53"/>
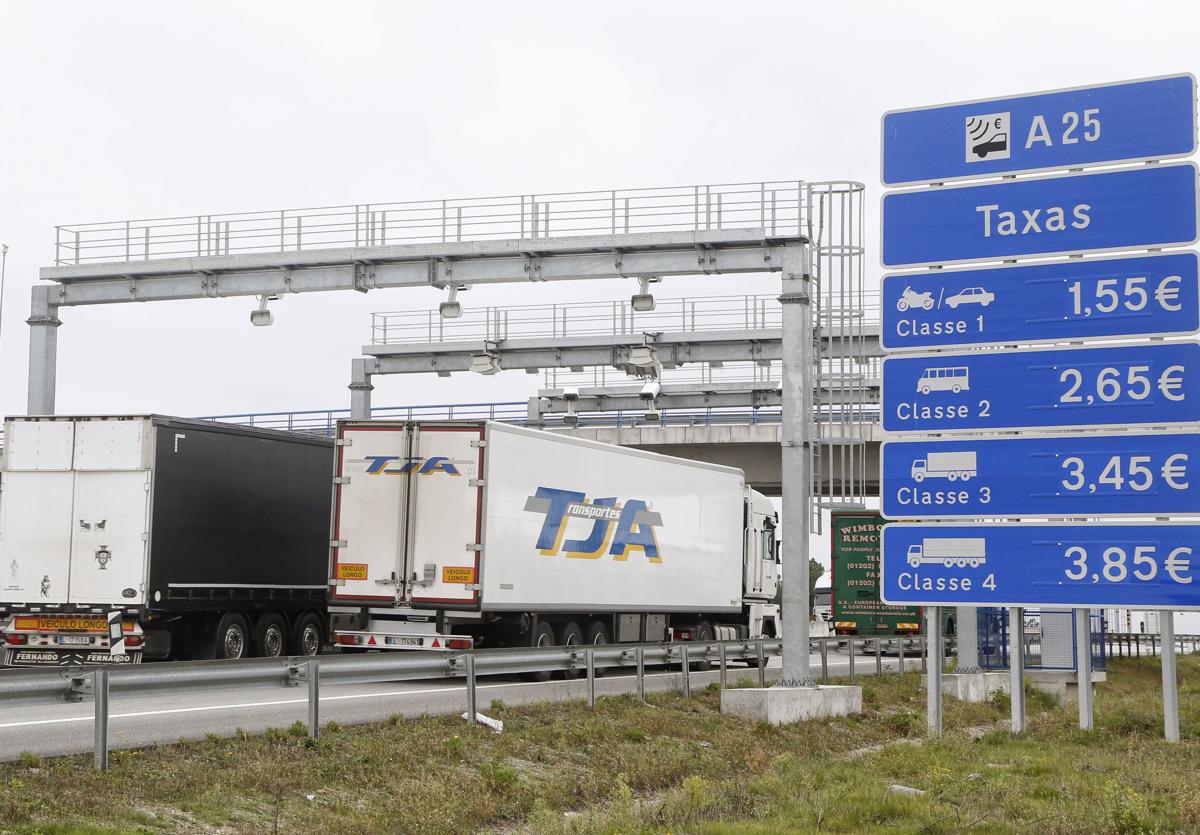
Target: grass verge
<point x="672" y="766"/>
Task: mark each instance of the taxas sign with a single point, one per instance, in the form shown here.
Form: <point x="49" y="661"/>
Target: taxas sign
<point x="1042" y="564"/>
<point x="1125" y="474"/>
<point x="1153" y="295"/>
<point x="1064" y="387"/>
<point x="1060" y="215"/>
<point x="1152" y="118"/>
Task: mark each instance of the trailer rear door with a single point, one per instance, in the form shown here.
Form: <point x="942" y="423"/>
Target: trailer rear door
<point x="35" y="511"/>
<point x="446" y="481"/>
<point x="370" y="513"/>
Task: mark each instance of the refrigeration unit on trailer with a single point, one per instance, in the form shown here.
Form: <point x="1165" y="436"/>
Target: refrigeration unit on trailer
<point x="484" y="534"/>
<point x="123" y="538"/>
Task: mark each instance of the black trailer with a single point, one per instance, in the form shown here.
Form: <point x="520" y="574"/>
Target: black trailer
<point x="205" y="539"/>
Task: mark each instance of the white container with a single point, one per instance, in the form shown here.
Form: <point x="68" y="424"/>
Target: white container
<point x="497" y="518"/>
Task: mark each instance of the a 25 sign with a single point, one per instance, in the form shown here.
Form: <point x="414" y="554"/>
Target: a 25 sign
<point x="1041" y="564"/>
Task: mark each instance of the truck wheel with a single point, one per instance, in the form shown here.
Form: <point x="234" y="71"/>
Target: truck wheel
<point x="543" y="636"/>
<point x="270" y="636"/>
<point x="703" y="633"/>
<point x="597" y="634"/>
<point x="232" y="636"/>
<point x="307" y="635"/>
<point x="569" y="635"/>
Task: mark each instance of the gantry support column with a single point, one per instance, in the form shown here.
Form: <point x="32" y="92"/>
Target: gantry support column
<point x="360" y="389"/>
<point x="796" y="374"/>
<point x="43" y="324"/>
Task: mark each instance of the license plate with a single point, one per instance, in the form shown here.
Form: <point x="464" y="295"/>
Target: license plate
<point x="75" y="640"/>
<point x="405" y="641"/>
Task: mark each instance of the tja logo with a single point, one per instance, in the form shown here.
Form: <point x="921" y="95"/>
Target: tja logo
<point x="397" y="465"/>
<point x="617" y="529"/>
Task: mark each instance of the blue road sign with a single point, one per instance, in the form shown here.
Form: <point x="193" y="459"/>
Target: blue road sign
<point x="1070" y="476"/>
<point x="1154" y="295"/>
<point x="1080" y="564"/>
<point x="1133" y="120"/>
<point x="1141" y="207"/>
<point x="1064" y="387"/>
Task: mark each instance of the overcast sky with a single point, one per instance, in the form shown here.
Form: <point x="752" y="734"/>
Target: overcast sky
<point x="145" y="109"/>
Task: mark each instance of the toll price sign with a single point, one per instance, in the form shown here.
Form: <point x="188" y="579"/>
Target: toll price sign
<point x="1091" y="475"/>
<point x="1065" y="387"/>
<point x="1029" y="564"/>
<point x="1153" y="118"/>
<point x="1154" y="295"/>
<point x="1142" y="207"/>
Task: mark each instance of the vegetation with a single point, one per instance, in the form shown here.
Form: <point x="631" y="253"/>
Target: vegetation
<point x="672" y="766"/>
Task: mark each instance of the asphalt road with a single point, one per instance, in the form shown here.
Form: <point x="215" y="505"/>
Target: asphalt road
<point x="142" y="720"/>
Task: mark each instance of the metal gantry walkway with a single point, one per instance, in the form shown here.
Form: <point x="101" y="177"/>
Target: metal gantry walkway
<point x="691" y="230"/>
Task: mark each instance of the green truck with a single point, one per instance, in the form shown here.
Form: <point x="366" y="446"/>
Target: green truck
<point x="854" y="579"/>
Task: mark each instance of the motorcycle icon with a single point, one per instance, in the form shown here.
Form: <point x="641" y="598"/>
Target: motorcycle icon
<point x="909" y="298"/>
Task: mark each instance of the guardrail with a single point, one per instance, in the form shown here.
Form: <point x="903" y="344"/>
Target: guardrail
<point x="324" y="421"/>
<point x="1132" y="644"/>
<point x="778" y="207"/>
<point x="601" y="318"/>
<point x="56" y="685"/>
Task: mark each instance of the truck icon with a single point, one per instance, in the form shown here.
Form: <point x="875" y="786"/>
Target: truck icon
<point x="948" y="465"/>
<point x="949" y="552"/>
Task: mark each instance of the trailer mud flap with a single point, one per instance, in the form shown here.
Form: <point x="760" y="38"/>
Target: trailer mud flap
<point x="54" y="658"/>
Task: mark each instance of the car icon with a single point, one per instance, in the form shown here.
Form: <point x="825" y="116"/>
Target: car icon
<point x="971" y="295"/>
<point x="997" y="143"/>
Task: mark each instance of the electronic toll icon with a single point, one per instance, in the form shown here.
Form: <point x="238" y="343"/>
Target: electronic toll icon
<point x="988" y="137"/>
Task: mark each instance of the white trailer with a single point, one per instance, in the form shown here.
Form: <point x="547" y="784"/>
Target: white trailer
<point x="948" y="465"/>
<point x="484" y="534"/>
<point x="949" y="551"/>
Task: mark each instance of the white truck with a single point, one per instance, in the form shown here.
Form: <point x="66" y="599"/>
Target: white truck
<point x="949" y="465"/>
<point x="949" y="551"/>
<point x="484" y="534"/>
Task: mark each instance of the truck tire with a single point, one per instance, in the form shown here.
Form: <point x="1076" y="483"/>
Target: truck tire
<point x="597" y="634"/>
<point x="307" y="635"/>
<point x="231" y="638"/>
<point x="543" y="636"/>
<point x="270" y="636"/>
<point x="569" y="635"/>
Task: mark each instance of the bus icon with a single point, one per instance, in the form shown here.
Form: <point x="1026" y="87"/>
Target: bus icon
<point x="955" y="379"/>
